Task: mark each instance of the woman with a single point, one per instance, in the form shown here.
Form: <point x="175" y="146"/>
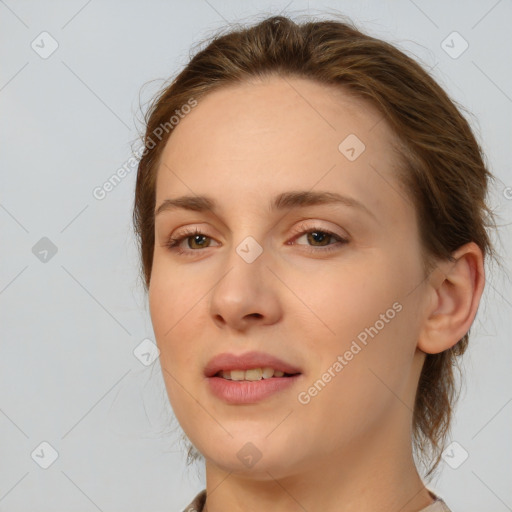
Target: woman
<point x="310" y="207"/>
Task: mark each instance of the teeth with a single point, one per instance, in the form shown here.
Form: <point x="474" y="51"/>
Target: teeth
<point x="252" y="374"/>
<point x="267" y="373"/>
<point x="237" y="375"/>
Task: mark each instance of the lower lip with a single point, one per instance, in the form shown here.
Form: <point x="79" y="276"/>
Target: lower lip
<point x="249" y="392"/>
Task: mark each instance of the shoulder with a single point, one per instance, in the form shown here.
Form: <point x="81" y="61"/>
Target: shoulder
<point x="438" y="506"/>
<point x="197" y="503"/>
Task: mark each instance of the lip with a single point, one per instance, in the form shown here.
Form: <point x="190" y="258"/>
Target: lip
<point x="248" y="392"/>
<point x="228" y="361"/>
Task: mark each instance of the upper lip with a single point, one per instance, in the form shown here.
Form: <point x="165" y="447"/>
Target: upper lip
<point x="228" y="361"/>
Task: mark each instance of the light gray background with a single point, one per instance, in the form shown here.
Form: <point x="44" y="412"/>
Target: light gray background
<point x="68" y="374"/>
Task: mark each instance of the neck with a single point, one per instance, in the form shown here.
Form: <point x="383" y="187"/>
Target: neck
<point x="376" y="472"/>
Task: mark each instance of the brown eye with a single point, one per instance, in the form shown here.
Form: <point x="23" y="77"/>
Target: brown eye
<point x="319" y="240"/>
<point x="319" y="237"/>
<point x="195" y="241"/>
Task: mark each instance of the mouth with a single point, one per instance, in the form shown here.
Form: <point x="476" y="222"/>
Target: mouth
<point x="249" y="378"/>
<point x="248" y="366"/>
<point x="253" y="374"/>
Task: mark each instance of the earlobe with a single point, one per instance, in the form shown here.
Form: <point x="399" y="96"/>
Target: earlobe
<point x="455" y="289"/>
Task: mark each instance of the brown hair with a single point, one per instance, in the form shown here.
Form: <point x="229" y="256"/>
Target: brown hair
<point x="442" y="170"/>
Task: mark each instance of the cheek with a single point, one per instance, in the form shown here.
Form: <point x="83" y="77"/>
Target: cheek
<point x="343" y="300"/>
<point x="371" y="379"/>
<point x="172" y="304"/>
<point x="366" y="315"/>
<point x="169" y="296"/>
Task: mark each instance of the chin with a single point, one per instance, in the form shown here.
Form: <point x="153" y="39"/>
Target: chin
<point x="252" y="456"/>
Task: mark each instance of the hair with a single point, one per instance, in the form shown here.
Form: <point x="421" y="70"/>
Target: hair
<point x="442" y="165"/>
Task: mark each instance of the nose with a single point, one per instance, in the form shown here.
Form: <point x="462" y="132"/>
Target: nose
<point x="247" y="294"/>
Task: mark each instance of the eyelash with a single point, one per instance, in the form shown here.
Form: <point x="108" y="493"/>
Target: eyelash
<point x="173" y="242"/>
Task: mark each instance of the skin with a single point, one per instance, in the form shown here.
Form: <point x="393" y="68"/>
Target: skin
<point x="349" y="448"/>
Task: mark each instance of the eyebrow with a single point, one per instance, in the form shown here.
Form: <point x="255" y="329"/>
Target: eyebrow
<point x="283" y="201"/>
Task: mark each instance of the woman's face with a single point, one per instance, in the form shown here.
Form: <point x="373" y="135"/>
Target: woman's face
<point x="334" y="290"/>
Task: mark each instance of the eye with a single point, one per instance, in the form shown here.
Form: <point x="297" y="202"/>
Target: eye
<point x="195" y="236"/>
<point x="317" y="235"/>
<point x="197" y="240"/>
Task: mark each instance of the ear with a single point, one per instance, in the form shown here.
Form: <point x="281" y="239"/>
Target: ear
<point x="454" y="290"/>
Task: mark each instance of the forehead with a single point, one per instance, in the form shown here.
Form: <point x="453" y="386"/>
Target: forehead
<point x="246" y="141"/>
